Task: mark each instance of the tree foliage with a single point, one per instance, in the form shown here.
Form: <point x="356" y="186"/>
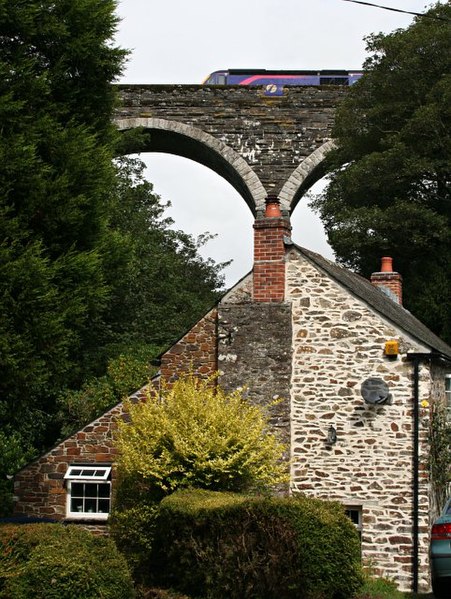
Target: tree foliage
<point x="166" y="286"/>
<point x="194" y="434"/>
<point x="56" y="181"/>
<point x="90" y="269"/>
<point x="390" y="185"/>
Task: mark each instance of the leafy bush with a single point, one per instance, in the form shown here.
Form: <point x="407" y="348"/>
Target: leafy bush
<point x="224" y="545"/>
<point x="14" y="452"/>
<point x="197" y="435"/>
<point x="133" y="530"/>
<point x="52" y="561"/>
<point x="194" y="434"/>
<point x="125" y="374"/>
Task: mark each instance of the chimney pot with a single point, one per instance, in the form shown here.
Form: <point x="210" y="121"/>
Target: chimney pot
<point x="388" y="281"/>
<point x="272" y="209"/>
<point x="387" y="264"/>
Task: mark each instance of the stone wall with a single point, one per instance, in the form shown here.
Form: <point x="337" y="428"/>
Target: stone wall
<point x="255" y="353"/>
<point x="220" y="125"/>
<point x="338" y="342"/>
<point x="196" y="351"/>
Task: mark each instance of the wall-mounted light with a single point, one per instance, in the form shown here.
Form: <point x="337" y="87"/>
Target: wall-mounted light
<point x="331" y="435"/>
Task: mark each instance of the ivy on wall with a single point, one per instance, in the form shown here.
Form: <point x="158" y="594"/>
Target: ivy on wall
<point x="439" y="454"/>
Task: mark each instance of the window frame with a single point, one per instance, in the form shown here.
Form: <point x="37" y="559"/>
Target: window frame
<point x="358" y="521"/>
<point x="91" y="475"/>
<point x="448" y="396"/>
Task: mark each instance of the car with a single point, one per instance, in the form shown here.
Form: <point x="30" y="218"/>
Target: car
<point x="440" y="553"/>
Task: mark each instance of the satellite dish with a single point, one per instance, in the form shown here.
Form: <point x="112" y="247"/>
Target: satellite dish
<point x="375" y="391"/>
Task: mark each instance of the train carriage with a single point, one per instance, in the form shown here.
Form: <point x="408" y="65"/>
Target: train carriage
<point x="263" y="77"/>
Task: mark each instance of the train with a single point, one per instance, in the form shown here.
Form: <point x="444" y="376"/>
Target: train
<point x="279" y="79"/>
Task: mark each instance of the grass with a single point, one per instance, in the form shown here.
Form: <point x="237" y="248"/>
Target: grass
<point x="374" y="589"/>
<point x="382" y="588"/>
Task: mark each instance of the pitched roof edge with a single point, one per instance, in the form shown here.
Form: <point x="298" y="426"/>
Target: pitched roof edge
<point x="379" y="302"/>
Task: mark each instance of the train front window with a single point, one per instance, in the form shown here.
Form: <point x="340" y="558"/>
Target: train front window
<point x="216" y="79"/>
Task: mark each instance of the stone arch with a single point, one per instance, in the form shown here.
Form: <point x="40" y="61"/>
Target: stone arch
<point x="173" y="137"/>
<point x="309" y="171"/>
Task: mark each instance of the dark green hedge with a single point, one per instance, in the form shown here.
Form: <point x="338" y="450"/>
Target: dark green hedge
<point x="133" y="530"/>
<point x="228" y="546"/>
<point x="52" y="561"/>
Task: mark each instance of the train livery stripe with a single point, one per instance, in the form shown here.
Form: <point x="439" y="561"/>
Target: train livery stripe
<point x="250" y="80"/>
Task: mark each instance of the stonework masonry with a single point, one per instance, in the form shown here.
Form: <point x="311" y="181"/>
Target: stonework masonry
<point x="338" y="343"/>
<point x="262" y="145"/>
<point x="255" y="353"/>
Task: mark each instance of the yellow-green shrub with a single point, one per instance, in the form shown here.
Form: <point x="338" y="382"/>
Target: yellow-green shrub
<point x="197" y="435"/>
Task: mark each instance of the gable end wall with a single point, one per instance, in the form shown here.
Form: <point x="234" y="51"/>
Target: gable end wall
<point x="39" y="488"/>
<point x="338" y="342"/>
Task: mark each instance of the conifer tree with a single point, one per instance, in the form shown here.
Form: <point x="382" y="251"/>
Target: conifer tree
<point x="56" y="184"/>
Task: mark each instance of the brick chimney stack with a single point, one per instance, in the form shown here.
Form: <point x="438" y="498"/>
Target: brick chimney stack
<point x="269" y="253"/>
<point x="388" y="281"/>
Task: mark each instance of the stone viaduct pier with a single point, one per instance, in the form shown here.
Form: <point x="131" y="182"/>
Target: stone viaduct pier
<point x="262" y="145"/>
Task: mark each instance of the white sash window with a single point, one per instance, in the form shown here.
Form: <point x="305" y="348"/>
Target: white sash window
<point x="88" y="492"/>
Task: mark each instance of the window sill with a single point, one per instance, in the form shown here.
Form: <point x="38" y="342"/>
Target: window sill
<point x="87" y="517"/>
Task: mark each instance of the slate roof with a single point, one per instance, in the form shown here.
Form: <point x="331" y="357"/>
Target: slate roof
<point x="379" y="301"/>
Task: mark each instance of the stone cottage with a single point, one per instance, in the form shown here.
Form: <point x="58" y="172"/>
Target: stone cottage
<point x="356" y="376"/>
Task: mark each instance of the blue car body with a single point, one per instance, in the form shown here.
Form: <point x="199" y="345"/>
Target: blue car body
<point x="440" y="553"/>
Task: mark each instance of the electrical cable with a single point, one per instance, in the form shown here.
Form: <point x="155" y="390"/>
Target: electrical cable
<point x="406" y="12"/>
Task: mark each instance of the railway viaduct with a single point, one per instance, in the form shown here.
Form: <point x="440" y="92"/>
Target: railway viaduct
<point x="264" y="145"/>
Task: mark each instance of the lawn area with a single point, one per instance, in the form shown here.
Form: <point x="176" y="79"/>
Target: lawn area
<point x="385" y="593"/>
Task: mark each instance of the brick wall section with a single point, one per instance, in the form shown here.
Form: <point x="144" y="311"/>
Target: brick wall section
<point x="196" y="351"/>
<point x="338" y="342"/>
<point x="39" y="488"/>
<point x="269" y="258"/>
<point x="390" y="283"/>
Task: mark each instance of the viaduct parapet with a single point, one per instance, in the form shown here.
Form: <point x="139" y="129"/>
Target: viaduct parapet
<point x="263" y="145"/>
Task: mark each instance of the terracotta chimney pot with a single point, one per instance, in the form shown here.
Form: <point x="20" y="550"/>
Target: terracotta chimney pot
<point x="386" y="264"/>
<point x="272" y="209"/>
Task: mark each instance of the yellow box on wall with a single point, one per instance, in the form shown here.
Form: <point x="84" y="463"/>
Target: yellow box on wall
<point x="391" y="348"/>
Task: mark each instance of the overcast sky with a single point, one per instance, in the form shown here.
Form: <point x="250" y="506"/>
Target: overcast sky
<point x="181" y="41"/>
